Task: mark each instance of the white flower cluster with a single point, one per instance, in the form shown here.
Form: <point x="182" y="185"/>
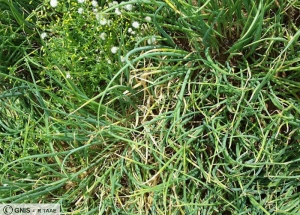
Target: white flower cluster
<point x="94" y="3"/>
<point x="114" y="50"/>
<point x="101" y="18"/>
<point x="128" y="7"/>
<point x="151" y="40"/>
<point x="148" y="19"/>
<point x="43" y="35"/>
<point x="103" y="36"/>
<point x="111" y="4"/>
<point x="135" y="24"/>
<point x="53" y="3"/>
<point x="80" y="10"/>
<point x="118" y="11"/>
<point x="68" y="75"/>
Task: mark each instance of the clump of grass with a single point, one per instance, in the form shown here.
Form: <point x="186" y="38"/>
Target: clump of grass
<point x="199" y="117"/>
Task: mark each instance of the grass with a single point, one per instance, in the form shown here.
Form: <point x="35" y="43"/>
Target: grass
<point x="195" y="110"/>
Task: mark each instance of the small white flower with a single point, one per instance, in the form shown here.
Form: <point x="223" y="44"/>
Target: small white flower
<point x="109" y="22"/>
<point x="103" y="36"/>
<point x="80" y="10"/>
<point x="5" y="185"/>
<point x="94" y="3"/>
<point x="148" y="19"/>
<point x="135" y="24"/>
<point x="81" y="1"/>
<point x="129" y="30"/>
<point x="53" y="3"/>
<point x="122" y="59"/>
<point x="103" y="21"/>
<point x="111" y="4"/>
<point x="117" y="11"/>
<point x="68" y="75"/>
<point x="132" y="32"/>
<point x="151" y="40"/>
<point x="95" y="10"/>
<point x="114" y="50"/>
<point x="128" y="7"/>
<point x="43" y="35"/>
<point x="109" y="61"/>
